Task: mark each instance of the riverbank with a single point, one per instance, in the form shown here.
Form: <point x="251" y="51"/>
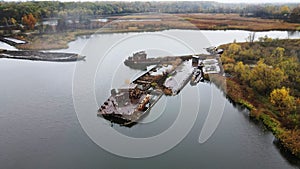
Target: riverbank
<point x="60" y="40"/>
<point x="244" y="86"/>
<point x="151" y="23"/>
<point x="245" y="96"/>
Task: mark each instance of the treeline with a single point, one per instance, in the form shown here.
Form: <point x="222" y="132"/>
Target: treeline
<point x="289" y="13"/>
<point x="15" y="11"/>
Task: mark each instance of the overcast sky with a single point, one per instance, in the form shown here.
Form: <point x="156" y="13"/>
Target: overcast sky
<point x="224" y="1"/>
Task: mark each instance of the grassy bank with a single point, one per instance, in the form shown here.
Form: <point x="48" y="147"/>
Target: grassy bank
<point x="59" y="40"/>
<point x="234" y="21"/>
<point x="150" y="23"/>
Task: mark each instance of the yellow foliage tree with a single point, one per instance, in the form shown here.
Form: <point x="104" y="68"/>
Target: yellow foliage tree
<point x="234" y="48"/>
<point x="242" y="71"/>
<point x="13" y="21"/>
<point x="285" y="10"/>
<point x="282" y="99"/>
<point x="29" y="20"/>
<point x="265" y="78"/>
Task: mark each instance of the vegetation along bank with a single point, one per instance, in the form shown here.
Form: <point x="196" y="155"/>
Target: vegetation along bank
<point x="264" y="76"/>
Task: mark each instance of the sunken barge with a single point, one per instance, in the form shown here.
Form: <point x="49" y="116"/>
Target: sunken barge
<point x="140" y="61"/>
<point x="41" y="56"/>
<point x="127" y="105"/>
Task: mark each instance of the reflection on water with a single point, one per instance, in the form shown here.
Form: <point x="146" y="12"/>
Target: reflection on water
<point x="292" y="34"/>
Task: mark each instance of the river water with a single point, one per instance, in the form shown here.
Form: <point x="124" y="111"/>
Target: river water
<point x="41" y="125"/>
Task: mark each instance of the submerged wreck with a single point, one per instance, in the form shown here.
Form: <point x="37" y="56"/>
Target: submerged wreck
<point x="41" y="56"/>
<point x="127" y="105"/>
<point x="140" y="61"/>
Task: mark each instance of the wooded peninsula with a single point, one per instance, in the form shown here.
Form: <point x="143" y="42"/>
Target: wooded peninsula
<point x="264" y="76"/>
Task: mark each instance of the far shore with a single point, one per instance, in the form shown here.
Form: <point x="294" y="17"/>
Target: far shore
<point x="60" y="40"/>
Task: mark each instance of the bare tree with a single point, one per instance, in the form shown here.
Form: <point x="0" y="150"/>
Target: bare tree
<point x="251" y="37"/>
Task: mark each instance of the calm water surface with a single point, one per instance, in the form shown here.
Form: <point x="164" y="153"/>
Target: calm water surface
<point x="39" y="126"/>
